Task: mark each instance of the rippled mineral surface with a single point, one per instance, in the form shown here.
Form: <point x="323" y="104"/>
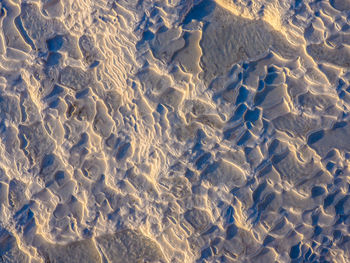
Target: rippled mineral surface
<point x="174" y="131"/>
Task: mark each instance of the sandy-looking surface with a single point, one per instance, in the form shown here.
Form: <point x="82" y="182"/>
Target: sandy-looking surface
<point x="174" y="131"/>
